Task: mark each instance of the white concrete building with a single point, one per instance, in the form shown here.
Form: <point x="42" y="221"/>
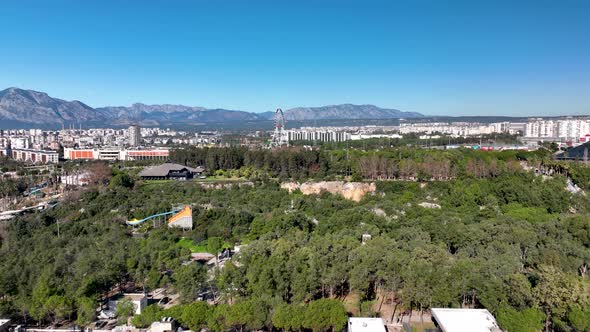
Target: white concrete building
<point x="455" y="128"/>
<point x="365" y="324"/>
<point x="560" y="129"/>
<point x="35" y="156"/>
<point x="464" y="320"/>
<point x="138" y="300"/>
<point x="317" y="134"/>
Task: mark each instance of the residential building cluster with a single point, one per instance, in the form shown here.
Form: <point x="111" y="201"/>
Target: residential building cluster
<point x="568" y="129"/>
<point x="340" y="134"/>
<point x="133" y="143"/>
<point x="461" y="129"/>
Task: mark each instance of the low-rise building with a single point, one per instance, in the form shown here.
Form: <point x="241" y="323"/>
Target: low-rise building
<point x="464" y="320"/>
<point x="166" y="324"/>
<point x="138" y="300"/>
<point x="35" y="156"/>
<point x="365" y="324"/>
<point x="116" y="154"/>
<point x="170" y="171"/>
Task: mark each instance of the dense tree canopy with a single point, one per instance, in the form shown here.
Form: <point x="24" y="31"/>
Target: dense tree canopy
<point x="493" y="236"/>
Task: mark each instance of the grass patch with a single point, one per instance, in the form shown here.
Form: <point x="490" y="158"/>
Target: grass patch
<point x="190" y="245"/>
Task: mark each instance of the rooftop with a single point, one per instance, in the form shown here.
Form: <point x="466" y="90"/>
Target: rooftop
<point x="164" y="169"/>
<point x="465" y="320"/>
<point x="365" y="324"/>
<point x="580" y="152"/>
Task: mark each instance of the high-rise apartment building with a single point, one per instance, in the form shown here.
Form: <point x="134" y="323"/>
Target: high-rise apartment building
<point x="134" y="134"/>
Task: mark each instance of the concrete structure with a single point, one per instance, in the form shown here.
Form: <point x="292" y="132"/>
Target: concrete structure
<point x="363" y="324"/>
<point x="183" y="219"/>
<point x="116" y="154"/>
<point x="171" y="171"/>
<point x="166" y="324"/>
<point x="34" y="156"/>
<point x="464" y="320"/>
<point x="139" y="301"/>
<point x="134" y="134"/>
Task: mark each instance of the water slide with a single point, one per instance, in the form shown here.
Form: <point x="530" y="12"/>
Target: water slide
<point x="136" y="222"/>
<point x="50" y="202"/>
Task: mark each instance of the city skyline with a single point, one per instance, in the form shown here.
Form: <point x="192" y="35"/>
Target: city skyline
<point x="458" y="58"/>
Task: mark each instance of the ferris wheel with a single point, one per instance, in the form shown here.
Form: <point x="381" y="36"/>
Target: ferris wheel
<point x="279" y="136"/>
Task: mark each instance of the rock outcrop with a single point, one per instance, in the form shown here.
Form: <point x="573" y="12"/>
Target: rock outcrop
<point x="350" y="190"/>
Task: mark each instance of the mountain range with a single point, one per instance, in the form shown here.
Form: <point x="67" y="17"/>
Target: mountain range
<point x="28" y="108"/>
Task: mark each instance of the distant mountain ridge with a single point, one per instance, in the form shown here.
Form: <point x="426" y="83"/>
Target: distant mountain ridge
<point x="31" y="108"/>
<point x="347" y="112"/>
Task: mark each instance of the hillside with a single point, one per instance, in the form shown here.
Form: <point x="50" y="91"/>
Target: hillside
<point x="33" y="107"/>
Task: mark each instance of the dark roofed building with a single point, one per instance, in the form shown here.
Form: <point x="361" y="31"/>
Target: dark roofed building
<point x="171" y="171"/>
<point x="580" y="153"/>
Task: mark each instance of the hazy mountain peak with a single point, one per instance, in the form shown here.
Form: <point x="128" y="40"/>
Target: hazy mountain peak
<point x="346" y="111"/>
<point x="34" y="108"/>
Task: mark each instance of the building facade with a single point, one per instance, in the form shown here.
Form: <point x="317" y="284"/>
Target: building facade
<point x="116" y="154"/>
<point x="34" y="156"/>
<point x="134" y="133"/>
<point x="559" y="129"/>
<point x="317" y="134"/>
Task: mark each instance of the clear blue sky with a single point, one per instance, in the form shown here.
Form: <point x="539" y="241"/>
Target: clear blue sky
<point x="431" y="56"/>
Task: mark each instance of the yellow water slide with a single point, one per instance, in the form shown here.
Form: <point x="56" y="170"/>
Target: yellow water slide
<point x="182" y="219"/>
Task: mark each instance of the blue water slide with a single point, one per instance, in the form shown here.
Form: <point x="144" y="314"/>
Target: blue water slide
<point x="136" y="222"/>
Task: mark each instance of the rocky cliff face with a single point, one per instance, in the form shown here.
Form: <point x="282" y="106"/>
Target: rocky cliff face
<point x="350" y="190"/>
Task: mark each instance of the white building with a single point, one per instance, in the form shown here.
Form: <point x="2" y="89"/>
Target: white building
<point x="166" y="324"/>
<point x="455" y="128"/>
<point x="561" y="129"/>
<point x="464" y="320"/>
<point x="316" y="134"/>
<point x="35" y="156"/>
<point x="365" y="324"/>
<point x="138" y="300"/>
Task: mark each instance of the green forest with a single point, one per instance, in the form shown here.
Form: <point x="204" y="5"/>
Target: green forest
<point x="495" y="234"/>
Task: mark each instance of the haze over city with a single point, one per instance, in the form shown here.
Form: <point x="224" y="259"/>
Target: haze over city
<point x="525" y="58"/>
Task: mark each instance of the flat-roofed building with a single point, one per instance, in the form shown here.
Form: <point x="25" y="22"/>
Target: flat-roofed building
<point x="171" y="172"/>
<point x="138" y="300"/>
<point x="365" y="324"/>
<point x="35" y="156"/>
<point x="464" y="320"/>
<point x="116" y="154"/>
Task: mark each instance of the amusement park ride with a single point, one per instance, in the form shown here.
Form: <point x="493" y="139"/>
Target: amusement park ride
<point x="279" y="136"/>
<point x="182" y="217"/>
